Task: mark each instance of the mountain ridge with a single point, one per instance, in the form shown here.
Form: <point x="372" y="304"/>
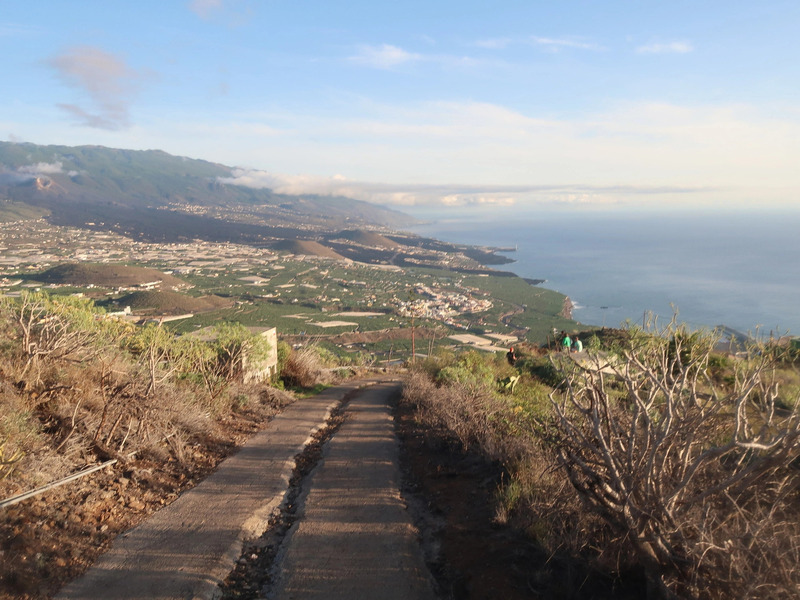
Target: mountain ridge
<point x="57" y="178"/>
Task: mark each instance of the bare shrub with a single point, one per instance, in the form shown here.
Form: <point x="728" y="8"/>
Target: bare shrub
<point x="53" y="329"/>
<point x="539" y="500"/>
<point x="305" y="368"/>
<point x="473" y="413"/>
<point x="27" y="456"/>
<point x="417" y="388"/>
<point x="534" y="497"/>
<point x="452" y="407"/>
<point x="697" y="482"/>
<point x="159" y="353"/>
<point x="105" y="408"/>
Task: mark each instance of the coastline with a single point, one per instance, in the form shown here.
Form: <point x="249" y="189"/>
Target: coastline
<point x="566" y="311"/>
<point x="616" y="266"/>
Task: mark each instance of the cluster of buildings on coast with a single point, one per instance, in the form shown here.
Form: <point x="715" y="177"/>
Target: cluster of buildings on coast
<point x="441" y="305"/>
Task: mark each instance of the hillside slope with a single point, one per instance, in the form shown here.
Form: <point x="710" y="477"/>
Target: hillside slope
<point x="60" y="177"/>
<point x="306" y="248"/>
<point x="172" y="303"/>
<point x="110" y="275"/>
<point x="367" y="238"/>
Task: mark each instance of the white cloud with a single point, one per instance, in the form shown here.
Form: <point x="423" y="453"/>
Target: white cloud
<point x="495" y="43"/>
<point x="557" y="44"/>
<point x="108" y="82"/>
<point x="29" y="172"/>
<point x="42" y="168"/>
<point x="430" y="194"/>
<point x="17" y="30"/>
<point x="550" y="44"/>
<point x="231" y="13"/>
<point x="634" y="152"/>
<point x="669" y="48"/>
<point x="204" y="8"/>
<point x="384" y="56"/>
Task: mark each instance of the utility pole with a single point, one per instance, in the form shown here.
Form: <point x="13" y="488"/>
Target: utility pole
<point x="413" y="345"/>
<point x="412" y="308"/>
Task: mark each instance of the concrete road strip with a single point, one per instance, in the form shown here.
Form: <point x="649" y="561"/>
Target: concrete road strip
<point x="354" y="537"/>
<point x="186" y="549"/>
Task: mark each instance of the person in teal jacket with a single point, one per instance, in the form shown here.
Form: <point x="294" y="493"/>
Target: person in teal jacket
<point x="566" y="343"/>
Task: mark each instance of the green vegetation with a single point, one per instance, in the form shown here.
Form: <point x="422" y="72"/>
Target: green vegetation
<point x="301" y="297"/>
<point x="658" y="454"/>
<point x="75" y="383"/>
<point x="541" y="308"/>
<point x="79" y="387"/>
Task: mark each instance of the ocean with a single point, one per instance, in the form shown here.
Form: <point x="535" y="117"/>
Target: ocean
<point x="738" y="269"/>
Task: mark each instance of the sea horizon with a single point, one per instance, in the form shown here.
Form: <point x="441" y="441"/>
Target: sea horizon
<point x="739" y="269"/>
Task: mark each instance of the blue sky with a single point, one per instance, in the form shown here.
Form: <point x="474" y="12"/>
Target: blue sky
<point x="586" y="103"/>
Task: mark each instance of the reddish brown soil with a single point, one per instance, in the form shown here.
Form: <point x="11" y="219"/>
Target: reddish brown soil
<point x="454" y="494"/>
<point x="54" y="537"/>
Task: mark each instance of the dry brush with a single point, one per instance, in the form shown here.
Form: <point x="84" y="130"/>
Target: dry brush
<point x="698" y="480"/>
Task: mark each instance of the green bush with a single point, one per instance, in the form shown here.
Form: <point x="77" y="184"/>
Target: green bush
<point x="532" y="400"/>
<point x="470" y="369"/>
<point x="284" y="351"/>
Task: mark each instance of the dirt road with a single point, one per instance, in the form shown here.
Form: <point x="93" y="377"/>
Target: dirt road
<point x="354" y="516"/>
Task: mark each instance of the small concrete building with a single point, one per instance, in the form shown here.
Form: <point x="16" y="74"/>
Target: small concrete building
<point x="261" y="371"/>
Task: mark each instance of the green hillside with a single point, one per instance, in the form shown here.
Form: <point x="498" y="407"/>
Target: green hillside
<point x="62" y="177"/>
<point x="17" y="211"/>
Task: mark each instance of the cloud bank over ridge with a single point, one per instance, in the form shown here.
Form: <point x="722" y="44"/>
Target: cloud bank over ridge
<point x="421" y="195"/>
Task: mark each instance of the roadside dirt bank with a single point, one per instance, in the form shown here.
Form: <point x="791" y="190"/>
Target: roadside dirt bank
<point x="51" y="539"/>
<point x="453" y="494"/>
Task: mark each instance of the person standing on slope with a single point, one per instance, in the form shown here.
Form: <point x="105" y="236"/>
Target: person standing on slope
<point x="511" y="356"/>
<point x="566" y="343"/>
